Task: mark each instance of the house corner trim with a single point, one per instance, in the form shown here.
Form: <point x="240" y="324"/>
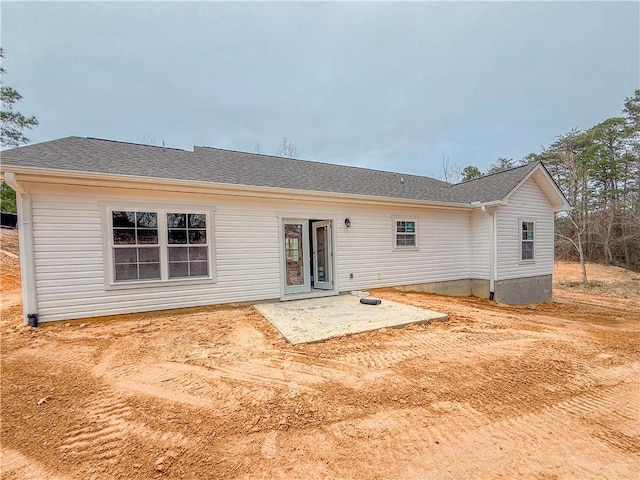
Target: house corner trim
<point x="25" y="240"/>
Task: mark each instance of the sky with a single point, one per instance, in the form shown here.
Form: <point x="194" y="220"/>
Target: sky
<point x="391" y="86"/>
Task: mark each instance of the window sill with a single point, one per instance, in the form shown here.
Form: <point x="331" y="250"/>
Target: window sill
<point x="405" y="249"/>
<point x="526" y="262"/>
<point x="175" y="282"/>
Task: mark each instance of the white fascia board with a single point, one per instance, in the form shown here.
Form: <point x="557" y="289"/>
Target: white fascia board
<point x="560" y="206"/>
<point x="79" y="178"/>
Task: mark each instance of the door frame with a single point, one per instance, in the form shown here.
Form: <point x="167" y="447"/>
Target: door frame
<point x="290" y="217"/>
<point x="327" y="285"/>
<point x="306" y="257"/>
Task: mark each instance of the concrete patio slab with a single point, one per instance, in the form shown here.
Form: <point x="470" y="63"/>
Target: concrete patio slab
<point x="312" y="320"/>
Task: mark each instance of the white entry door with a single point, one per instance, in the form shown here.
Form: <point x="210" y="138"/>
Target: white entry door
<point x="296" y="256"/>
<point x="322" y="256"/>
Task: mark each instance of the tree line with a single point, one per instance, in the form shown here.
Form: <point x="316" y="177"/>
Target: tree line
<point x="12" y="126"/>
<point x="598" y="170"/>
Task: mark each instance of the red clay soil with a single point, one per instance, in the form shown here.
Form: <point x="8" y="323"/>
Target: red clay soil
<point x="545" y="391"/>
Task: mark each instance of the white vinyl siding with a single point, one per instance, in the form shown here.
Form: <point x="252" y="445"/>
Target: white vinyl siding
<point x="366" y="248"/>
<point x="70" y="262"/>
<point x="480" y="244"/>
<point x="70" y="246"/>
<point x="527" y="203"/>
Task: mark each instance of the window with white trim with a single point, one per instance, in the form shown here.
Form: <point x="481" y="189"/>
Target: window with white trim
<point x="405" y="233"/>
<point x="527" y="240"/>
<point x="136" y="254"/>
<point x="159" y="245"/>
<point x="187" y="244"/>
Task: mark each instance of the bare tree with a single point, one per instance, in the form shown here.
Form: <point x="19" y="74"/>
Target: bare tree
<point x="258" y="148"/>
<point x="287" y="149"/>
<point x="451" y="172"/>
<point x="568" y="155"/>
<point x="146" y="140"/>
<point x="577" y="242"/>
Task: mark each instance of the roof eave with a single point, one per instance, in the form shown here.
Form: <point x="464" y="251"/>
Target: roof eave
<point x="490" y="203"/>
<point x="76" y="177"/>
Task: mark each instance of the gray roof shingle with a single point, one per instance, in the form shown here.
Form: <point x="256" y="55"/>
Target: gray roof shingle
<point x="491" y="187"/>
<point x="214" y="165"/>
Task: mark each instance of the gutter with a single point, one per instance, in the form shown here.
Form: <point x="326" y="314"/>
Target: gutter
<point x="27" y="256"/>
<point x="562" y="208"/>
<point x="485" y="205"/>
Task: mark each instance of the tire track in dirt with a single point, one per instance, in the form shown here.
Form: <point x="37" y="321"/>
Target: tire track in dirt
<point x="209" y="386"/>
<point x="164" y="438"/>
<point x="283" y="370"/>
<point x="185" y="386"/>
<point x="193" y="385"/>
<point x="536" y="379"/>
<point x="17" y="465"/>
<point x="554" y="426"/>
<point x="262" y="373"/>
<point x="621" y="399"/>
<point x="104" y="436"/>
<point x="466" y="439"/>
<point x="332" y="363"/>
<point x="415" y="424"/>
<point x="107" y="430"/>
<point x="204" y="382"/>
<point x="619" y="440"/>
<point x="438" y="346"/>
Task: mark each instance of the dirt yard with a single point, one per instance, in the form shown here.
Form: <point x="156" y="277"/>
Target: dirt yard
<point x="537" y="392"/>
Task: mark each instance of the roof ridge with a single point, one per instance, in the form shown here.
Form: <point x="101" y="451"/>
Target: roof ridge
<point x="495" y="173"/>
<point x="132" y="143"/>
<point x="321" y="163"/>
<point x="30" y="145"/>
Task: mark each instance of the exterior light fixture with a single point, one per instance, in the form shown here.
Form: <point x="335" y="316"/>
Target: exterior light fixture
<point x="347" y="222"/>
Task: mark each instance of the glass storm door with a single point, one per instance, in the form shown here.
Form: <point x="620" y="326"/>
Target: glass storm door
<point x="322" y="258"/>
<point x="296" y="256"/>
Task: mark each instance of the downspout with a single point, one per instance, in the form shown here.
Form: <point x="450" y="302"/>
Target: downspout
<point x="491" y="209"/>
<point x="494" y="254"/>
<point x="27" y="257"/>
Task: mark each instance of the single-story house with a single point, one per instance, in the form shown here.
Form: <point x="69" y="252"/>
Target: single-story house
<point x="109" y="227"/>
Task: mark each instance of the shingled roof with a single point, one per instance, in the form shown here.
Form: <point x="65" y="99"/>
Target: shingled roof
<point x="491" y="187"/>
<point x="204" y="164"/>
